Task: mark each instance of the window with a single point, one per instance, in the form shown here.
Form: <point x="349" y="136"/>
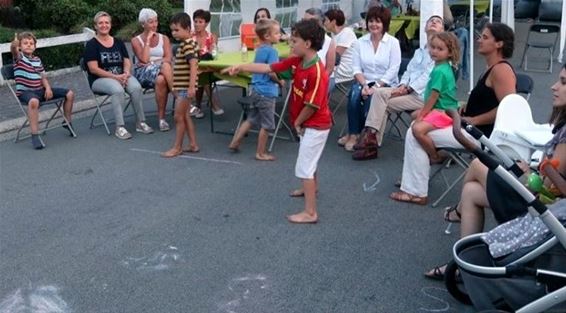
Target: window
<point x="330" y="4"/>
<point x="286" y="12"/>
<point x="226" y="17"/>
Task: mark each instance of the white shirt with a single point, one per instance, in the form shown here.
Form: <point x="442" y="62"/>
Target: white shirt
<point x="345" y="38"/>
<point x="381" y="65"/>
<point x="418" y="71"/>
<point x="324" y="50"/>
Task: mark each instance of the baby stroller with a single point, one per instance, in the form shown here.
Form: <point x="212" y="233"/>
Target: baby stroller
<point x="531" y="279"/>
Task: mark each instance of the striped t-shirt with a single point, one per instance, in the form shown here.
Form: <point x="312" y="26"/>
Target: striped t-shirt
<point x="27" y="73"/>
<point x="187" y="51"/>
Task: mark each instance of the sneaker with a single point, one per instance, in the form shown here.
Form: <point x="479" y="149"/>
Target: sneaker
<point x="37" y="142"/>
<point x="196" y="112"/>
<point x="218" y="112"/>
<point x="142" y="127"/>
<point x="68" y="127"/>
<point x="163" y="126"/>
<point x="122" y="133"/>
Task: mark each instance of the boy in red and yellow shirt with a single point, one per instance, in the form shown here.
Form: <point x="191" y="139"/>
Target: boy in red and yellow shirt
<point x="308" y="111"/>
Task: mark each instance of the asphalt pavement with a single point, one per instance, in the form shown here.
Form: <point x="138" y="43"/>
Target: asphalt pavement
<point x="96" y="224"/>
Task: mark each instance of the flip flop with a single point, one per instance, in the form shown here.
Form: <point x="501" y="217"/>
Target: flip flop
<point x="402" y="196"/>
<point x="448" y="212"/>
<point x="435" y="274"/>
<point x="191" y="150"/>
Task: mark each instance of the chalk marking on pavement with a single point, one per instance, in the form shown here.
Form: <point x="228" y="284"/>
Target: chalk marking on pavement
<point x="372" y="187"/>
<point x="190" y="157"/>
<point x="446" y="307"/>
<point x="158" y="261"/>
<point x="41" y="299"/>
<point x="244" y="292"/>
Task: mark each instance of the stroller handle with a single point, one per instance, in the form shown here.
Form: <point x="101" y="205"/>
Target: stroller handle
<point x="468" y="144"/>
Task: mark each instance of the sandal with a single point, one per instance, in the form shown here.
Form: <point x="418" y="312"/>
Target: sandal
<point x="191" y="149"/>
<point x="437" y="273"/>
<point x="402" y="196"/>
<point x="398" y="183"/>
<point x="448" y="217"/>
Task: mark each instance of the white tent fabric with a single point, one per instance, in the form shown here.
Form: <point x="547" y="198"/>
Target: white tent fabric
<point x="562" y="32"/>
<point x="507" y="13"/>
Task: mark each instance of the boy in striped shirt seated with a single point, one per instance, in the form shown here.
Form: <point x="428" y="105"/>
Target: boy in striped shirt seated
<point x="32" y="86"/>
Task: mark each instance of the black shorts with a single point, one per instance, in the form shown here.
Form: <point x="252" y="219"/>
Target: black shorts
<point x="39" y="94"/>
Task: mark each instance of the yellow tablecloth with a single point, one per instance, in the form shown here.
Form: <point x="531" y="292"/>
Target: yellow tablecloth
<point x="224" y="60"/>
<point x="480" y="5"/>
<point x="412" y="27"/>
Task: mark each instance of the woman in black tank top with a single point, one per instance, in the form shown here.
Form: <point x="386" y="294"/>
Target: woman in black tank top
<point x="497" y="82"/>
<point x="495" y="45"/>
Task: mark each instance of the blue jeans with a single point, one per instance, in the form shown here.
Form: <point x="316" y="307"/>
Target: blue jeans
<point x="357" y="109"/>
<point x="464" y="39"/>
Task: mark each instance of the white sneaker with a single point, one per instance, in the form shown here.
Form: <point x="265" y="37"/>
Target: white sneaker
<point x="196" y="112"/>
<point x="218" y="112"/>
<point x="142" y="127"/>
<point x="163" y="126"/>
<point x="122" y="133"/>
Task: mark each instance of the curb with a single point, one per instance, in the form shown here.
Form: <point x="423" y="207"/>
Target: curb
<point x="9" y="128"/>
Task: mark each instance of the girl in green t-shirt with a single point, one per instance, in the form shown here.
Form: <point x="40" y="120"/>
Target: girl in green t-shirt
<point x="440" y="92"/>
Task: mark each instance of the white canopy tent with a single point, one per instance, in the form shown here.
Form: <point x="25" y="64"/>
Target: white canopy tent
<point x="562" y="32"/>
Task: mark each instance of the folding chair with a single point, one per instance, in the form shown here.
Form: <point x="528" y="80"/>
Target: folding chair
<point x="541" y="36"/>
<point x="100" y="100"/>
<point x="394" y="117"/>
<point x="248" y="35"/>
<point x="525" y="85"/>
<point x="8" y="75"/>
<point x="343" y="89"/>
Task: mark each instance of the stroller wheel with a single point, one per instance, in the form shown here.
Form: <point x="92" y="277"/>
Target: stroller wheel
<point x="454" y="283"/>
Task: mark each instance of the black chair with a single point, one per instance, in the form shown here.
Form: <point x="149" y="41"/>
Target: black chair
<point x="525" y="85"/>
<point x="541" y="36"/>
<point x="8" y="75"/>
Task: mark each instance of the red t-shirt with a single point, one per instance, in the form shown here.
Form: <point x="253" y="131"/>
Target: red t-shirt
<point x="310" y="87"/>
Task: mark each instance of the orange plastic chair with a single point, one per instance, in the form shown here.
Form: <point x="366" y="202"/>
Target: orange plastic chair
<point x="248" y="35"/>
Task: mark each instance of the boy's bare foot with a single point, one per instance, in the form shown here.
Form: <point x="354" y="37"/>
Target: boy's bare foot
<point x="171" y="153"/>
<point x="298" y="193"/>
<point x="191" y="149"/>
<point x="264" y="157"/>
<point x="234" y="146"/>
<point x="302" y="218"/>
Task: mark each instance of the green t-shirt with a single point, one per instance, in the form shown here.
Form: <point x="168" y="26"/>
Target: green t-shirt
<point x="443" y="81"/>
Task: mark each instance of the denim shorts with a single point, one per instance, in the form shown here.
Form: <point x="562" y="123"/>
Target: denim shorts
<point x="39" y="94"/>
<point x="147" y="75"/>
<point x="261" y="112"/>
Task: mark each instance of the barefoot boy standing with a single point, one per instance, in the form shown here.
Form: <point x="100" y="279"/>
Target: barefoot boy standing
<point x="308" y="111"/>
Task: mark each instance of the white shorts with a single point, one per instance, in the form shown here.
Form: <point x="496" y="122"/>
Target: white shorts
<point x="310" y="149"/>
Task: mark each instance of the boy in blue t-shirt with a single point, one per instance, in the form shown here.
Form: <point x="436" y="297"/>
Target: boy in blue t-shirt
<point x="265" y="90"/>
